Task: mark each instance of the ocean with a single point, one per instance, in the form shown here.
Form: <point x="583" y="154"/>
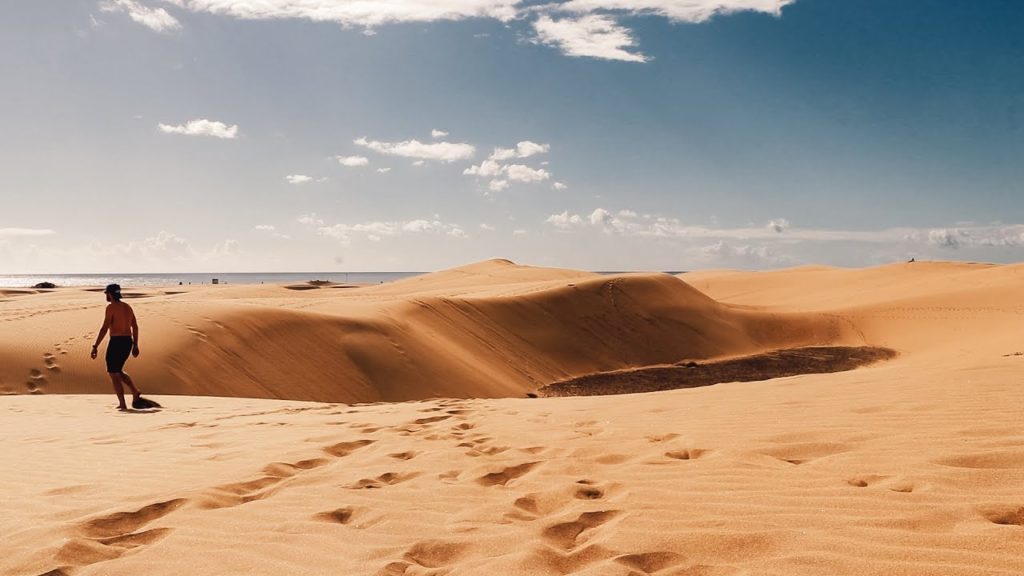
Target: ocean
<point x="152" y="280"/>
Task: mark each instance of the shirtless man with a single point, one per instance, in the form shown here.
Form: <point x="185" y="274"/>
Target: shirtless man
<point x="124" y="339"/>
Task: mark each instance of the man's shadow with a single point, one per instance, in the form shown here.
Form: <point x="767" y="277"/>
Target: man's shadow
<point x="142" y="405"/>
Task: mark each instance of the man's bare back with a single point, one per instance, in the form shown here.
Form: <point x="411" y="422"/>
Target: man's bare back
<point x="119" y="319"/>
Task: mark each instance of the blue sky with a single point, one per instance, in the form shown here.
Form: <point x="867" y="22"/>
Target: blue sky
<point x="235" y="135"/>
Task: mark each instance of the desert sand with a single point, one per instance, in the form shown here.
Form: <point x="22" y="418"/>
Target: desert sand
<point x="385" y="429"/>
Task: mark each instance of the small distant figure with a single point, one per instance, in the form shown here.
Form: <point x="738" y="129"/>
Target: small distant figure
<point x="910" y="261"/>
<point x="120" y="321"/>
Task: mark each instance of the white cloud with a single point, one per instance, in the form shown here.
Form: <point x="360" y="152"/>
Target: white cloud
<point x="383" y="170"/>
<point x="559" y="186"/>
<point x="264" y="227"/>
<point x="378" y="230"/>
<point x="523" y="173"/>
<point x="564" y="220"/>
<point x="485" y="226"/>
<point x="298" y="178"/>
<point x="486" y="169"/>
<point x="582" y="28"/>
<point x="435" y="133"/>
<point x="519" y="232"/>
<point x="358" y="13"/>
<point x="677" y="10"/>
<point x="497" y="185"/>
<point x="201" y="127"/>
<point x="419" y="163"/>
<point x="440" y="151"/>
<point x="1006" y="236"/>
<point x="524" y="149"/>
<point x="779" y="231"/>
<point x="352" y="161"/>
<point x="10" y="232"/>
<point x="592" y="36"/>
<point x="310" y="220"/>
<point x="723" y="253"/>
<point x="778" y="225"/>
<point x="156" y="19"/>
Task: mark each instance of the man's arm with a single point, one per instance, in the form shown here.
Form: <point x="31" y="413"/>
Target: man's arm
<point x="107" y="316"/>
<point x="135" y="334"/>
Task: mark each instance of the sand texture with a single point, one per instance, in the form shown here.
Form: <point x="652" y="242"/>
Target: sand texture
<point x="421" y="455"/>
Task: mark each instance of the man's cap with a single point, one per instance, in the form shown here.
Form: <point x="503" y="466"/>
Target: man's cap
<point x="113" y="289"/>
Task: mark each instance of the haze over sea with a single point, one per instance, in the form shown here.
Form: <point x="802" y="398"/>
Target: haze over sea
<point x="192" y="278"/>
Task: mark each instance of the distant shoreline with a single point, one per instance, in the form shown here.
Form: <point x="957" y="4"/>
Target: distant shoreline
<point x="156" y="280"/>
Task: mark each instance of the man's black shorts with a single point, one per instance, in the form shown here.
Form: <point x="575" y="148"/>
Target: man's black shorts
<point x="117" y="353"/>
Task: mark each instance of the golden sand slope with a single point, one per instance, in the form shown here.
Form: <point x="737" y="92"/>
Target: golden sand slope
<point x="486" y="330"/>
<point x="909" y="467"/>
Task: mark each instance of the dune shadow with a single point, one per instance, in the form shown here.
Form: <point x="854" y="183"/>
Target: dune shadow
<point x="775" y="364"/>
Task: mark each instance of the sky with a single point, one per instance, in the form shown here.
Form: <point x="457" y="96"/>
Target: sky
<point x="416" y="135"/>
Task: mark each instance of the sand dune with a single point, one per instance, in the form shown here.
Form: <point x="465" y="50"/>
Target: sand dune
<point x="492" y="329"/>
<point x="911" y="466"/>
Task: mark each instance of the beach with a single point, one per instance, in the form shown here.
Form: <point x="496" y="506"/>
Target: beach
<point x="389" y="429"/>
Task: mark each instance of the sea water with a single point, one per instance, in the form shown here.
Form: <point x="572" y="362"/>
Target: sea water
<point x="193" y="278"/>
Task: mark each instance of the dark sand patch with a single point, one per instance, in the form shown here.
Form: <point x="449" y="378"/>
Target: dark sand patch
<point x="775" y="364"/>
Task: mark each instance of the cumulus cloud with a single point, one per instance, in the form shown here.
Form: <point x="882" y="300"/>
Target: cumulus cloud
<point x="564" y="220"/>
<point x="156" y="19"/>
<point x="486" y="169"/>
<point x="486" y="226"/>
<point x="352" y="161"/>
<point x="523" y="173"/>
<point x="298" y="178"/>
<point x="523" y="149"/>
<point x="378" y="230"/>
<point x="440" y="151"/>
<point x="694" y="11"/>
<point x="1005" y="236"/>
<point x="201" y="127"/>
<point x="12" y="232"/>
<point x="358" y="14"/>
<point x="559" y="186"/>
<point x="592" y="36"/>
<point x="579" y="28"/>
<point x="270" y="229"/>
<point x="383" y="170"/>
<point x="725" y="253"/>
<point x="502" y="175"/>
<point x="435" y="133"/>
<point x="497" y="185"/>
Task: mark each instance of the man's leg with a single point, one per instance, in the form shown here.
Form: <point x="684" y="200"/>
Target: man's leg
<point x="115" y="379"/>
<point x="131" y="385"/>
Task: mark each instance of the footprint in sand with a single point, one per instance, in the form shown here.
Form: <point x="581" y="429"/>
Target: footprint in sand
<point x="436" y="553"/>
<point x="342" y="449"/>
<point x="386" y="479"/>
<point x="35" y="382"/>
<point x="238" y="493"/>
<point x="688" y="454"/>
<point x="124" y="523"/>
<point x="338" y="516"/>
<point x="506" y="475"/>
<point x="1004" y="515"/>
<point x="865" y="480"/>
<point x="566" y="535"/>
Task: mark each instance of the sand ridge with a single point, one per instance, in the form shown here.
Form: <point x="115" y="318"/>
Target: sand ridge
<point x="492" y="329"/>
